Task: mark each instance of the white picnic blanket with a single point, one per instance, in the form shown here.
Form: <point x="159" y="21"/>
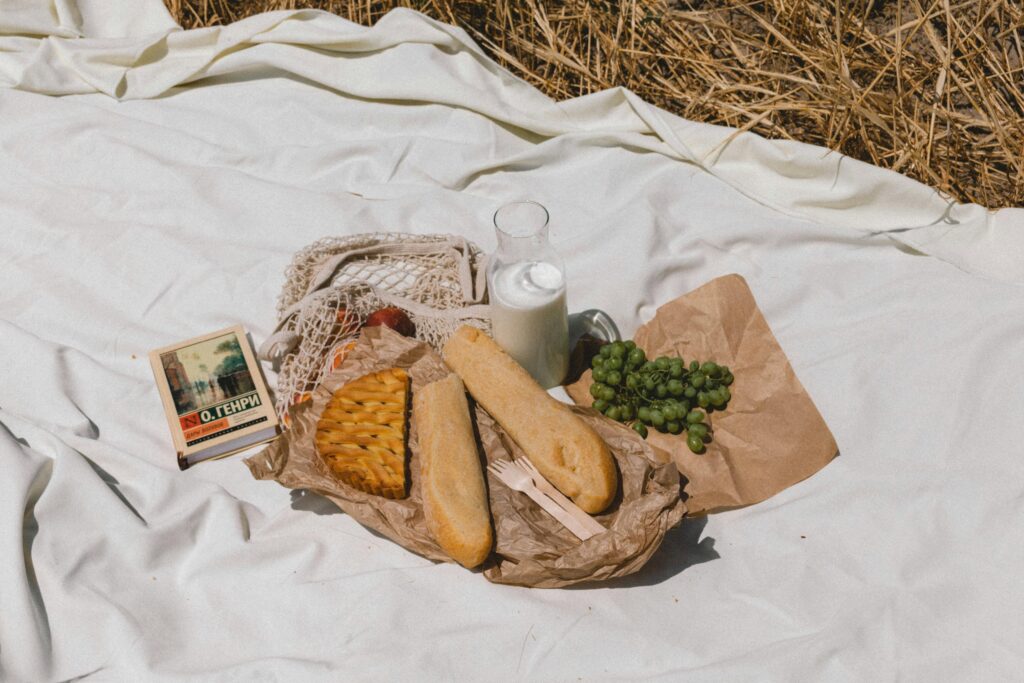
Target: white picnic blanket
<point x="154" y="184"/>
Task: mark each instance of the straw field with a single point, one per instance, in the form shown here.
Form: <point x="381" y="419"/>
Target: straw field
<point x="933" y="89"/>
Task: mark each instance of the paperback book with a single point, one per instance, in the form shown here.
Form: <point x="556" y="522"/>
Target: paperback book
<point x="214" y="396"/>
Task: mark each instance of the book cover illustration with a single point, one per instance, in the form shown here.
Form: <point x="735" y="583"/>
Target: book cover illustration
<point x="214" y="395"/>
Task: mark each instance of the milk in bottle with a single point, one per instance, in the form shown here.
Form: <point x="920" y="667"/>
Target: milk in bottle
<point x="526" y="285"/>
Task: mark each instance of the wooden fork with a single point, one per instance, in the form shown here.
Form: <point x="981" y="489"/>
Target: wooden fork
<point x="554" y="494"/>
<point x="518" y="479"/>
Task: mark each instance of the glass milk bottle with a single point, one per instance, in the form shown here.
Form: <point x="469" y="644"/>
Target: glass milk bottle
<point x="526" y="285"/>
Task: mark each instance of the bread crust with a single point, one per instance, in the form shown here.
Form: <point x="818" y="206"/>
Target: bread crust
<point x="454" y="495"/>
<point x="564" y="448"/>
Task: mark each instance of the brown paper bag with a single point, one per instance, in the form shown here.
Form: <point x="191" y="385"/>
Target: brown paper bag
<point x="770" y="436"/>
<point x="531" y="548"/>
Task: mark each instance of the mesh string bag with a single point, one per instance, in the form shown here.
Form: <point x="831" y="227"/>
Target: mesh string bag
<point x="332" y="285"/>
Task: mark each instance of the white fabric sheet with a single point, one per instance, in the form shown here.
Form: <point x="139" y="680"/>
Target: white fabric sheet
<point x="155" y="182"/>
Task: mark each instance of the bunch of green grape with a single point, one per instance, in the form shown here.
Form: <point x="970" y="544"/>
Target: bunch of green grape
<point x="663" y="393"/>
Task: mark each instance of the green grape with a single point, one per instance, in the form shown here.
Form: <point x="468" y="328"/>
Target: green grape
<point x="664" y="393"/>
<point x="695" y="443"/>
<point x="629" y="344"/>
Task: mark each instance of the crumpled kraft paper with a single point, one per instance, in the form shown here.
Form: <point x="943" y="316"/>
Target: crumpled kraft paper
<point x="770" y="436"/>
<point x="531" y="548"/>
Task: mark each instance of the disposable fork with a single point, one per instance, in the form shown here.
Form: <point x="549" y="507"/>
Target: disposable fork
<point x="519" y="480"/>
<point x="548" y="488"/>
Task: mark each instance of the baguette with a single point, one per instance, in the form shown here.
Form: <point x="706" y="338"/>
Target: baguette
<point x="454" y="498"/>
<point x="563" y="447"/>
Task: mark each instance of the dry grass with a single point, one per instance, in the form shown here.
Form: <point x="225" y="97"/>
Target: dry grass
<point x="930" y="88"/>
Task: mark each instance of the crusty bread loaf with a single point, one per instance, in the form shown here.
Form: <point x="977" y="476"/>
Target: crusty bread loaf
<point x="563" y="447"/>
<point x="451" y="477"/>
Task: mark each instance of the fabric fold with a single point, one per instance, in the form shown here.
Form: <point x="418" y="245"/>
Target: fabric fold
<point x="799" y="180"/>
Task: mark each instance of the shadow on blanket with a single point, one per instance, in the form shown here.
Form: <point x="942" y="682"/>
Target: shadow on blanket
<point x="308" y="501"/>
<point x="682" y="548"/>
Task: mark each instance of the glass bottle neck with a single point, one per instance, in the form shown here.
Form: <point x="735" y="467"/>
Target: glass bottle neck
<point x="522" y="231"/>
<point x="532" y="247"/>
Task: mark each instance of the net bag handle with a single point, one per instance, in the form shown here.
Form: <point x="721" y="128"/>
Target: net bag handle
<point x="474" y="286"/>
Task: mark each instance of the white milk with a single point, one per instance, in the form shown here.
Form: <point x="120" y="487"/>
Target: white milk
<point x="529" y="318"/>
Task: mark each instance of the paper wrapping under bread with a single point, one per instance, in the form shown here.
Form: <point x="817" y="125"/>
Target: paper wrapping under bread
<point x="531" y="548"/>
<point x="770" y="436"/>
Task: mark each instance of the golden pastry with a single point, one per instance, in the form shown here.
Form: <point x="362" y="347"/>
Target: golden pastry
<point x="361" y="433"/>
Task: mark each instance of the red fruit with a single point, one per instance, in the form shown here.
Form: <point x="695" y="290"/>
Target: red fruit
<point x="392" y="317"/>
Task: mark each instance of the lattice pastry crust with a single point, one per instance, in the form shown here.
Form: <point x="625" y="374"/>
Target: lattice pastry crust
<point x="361" y="434"/>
